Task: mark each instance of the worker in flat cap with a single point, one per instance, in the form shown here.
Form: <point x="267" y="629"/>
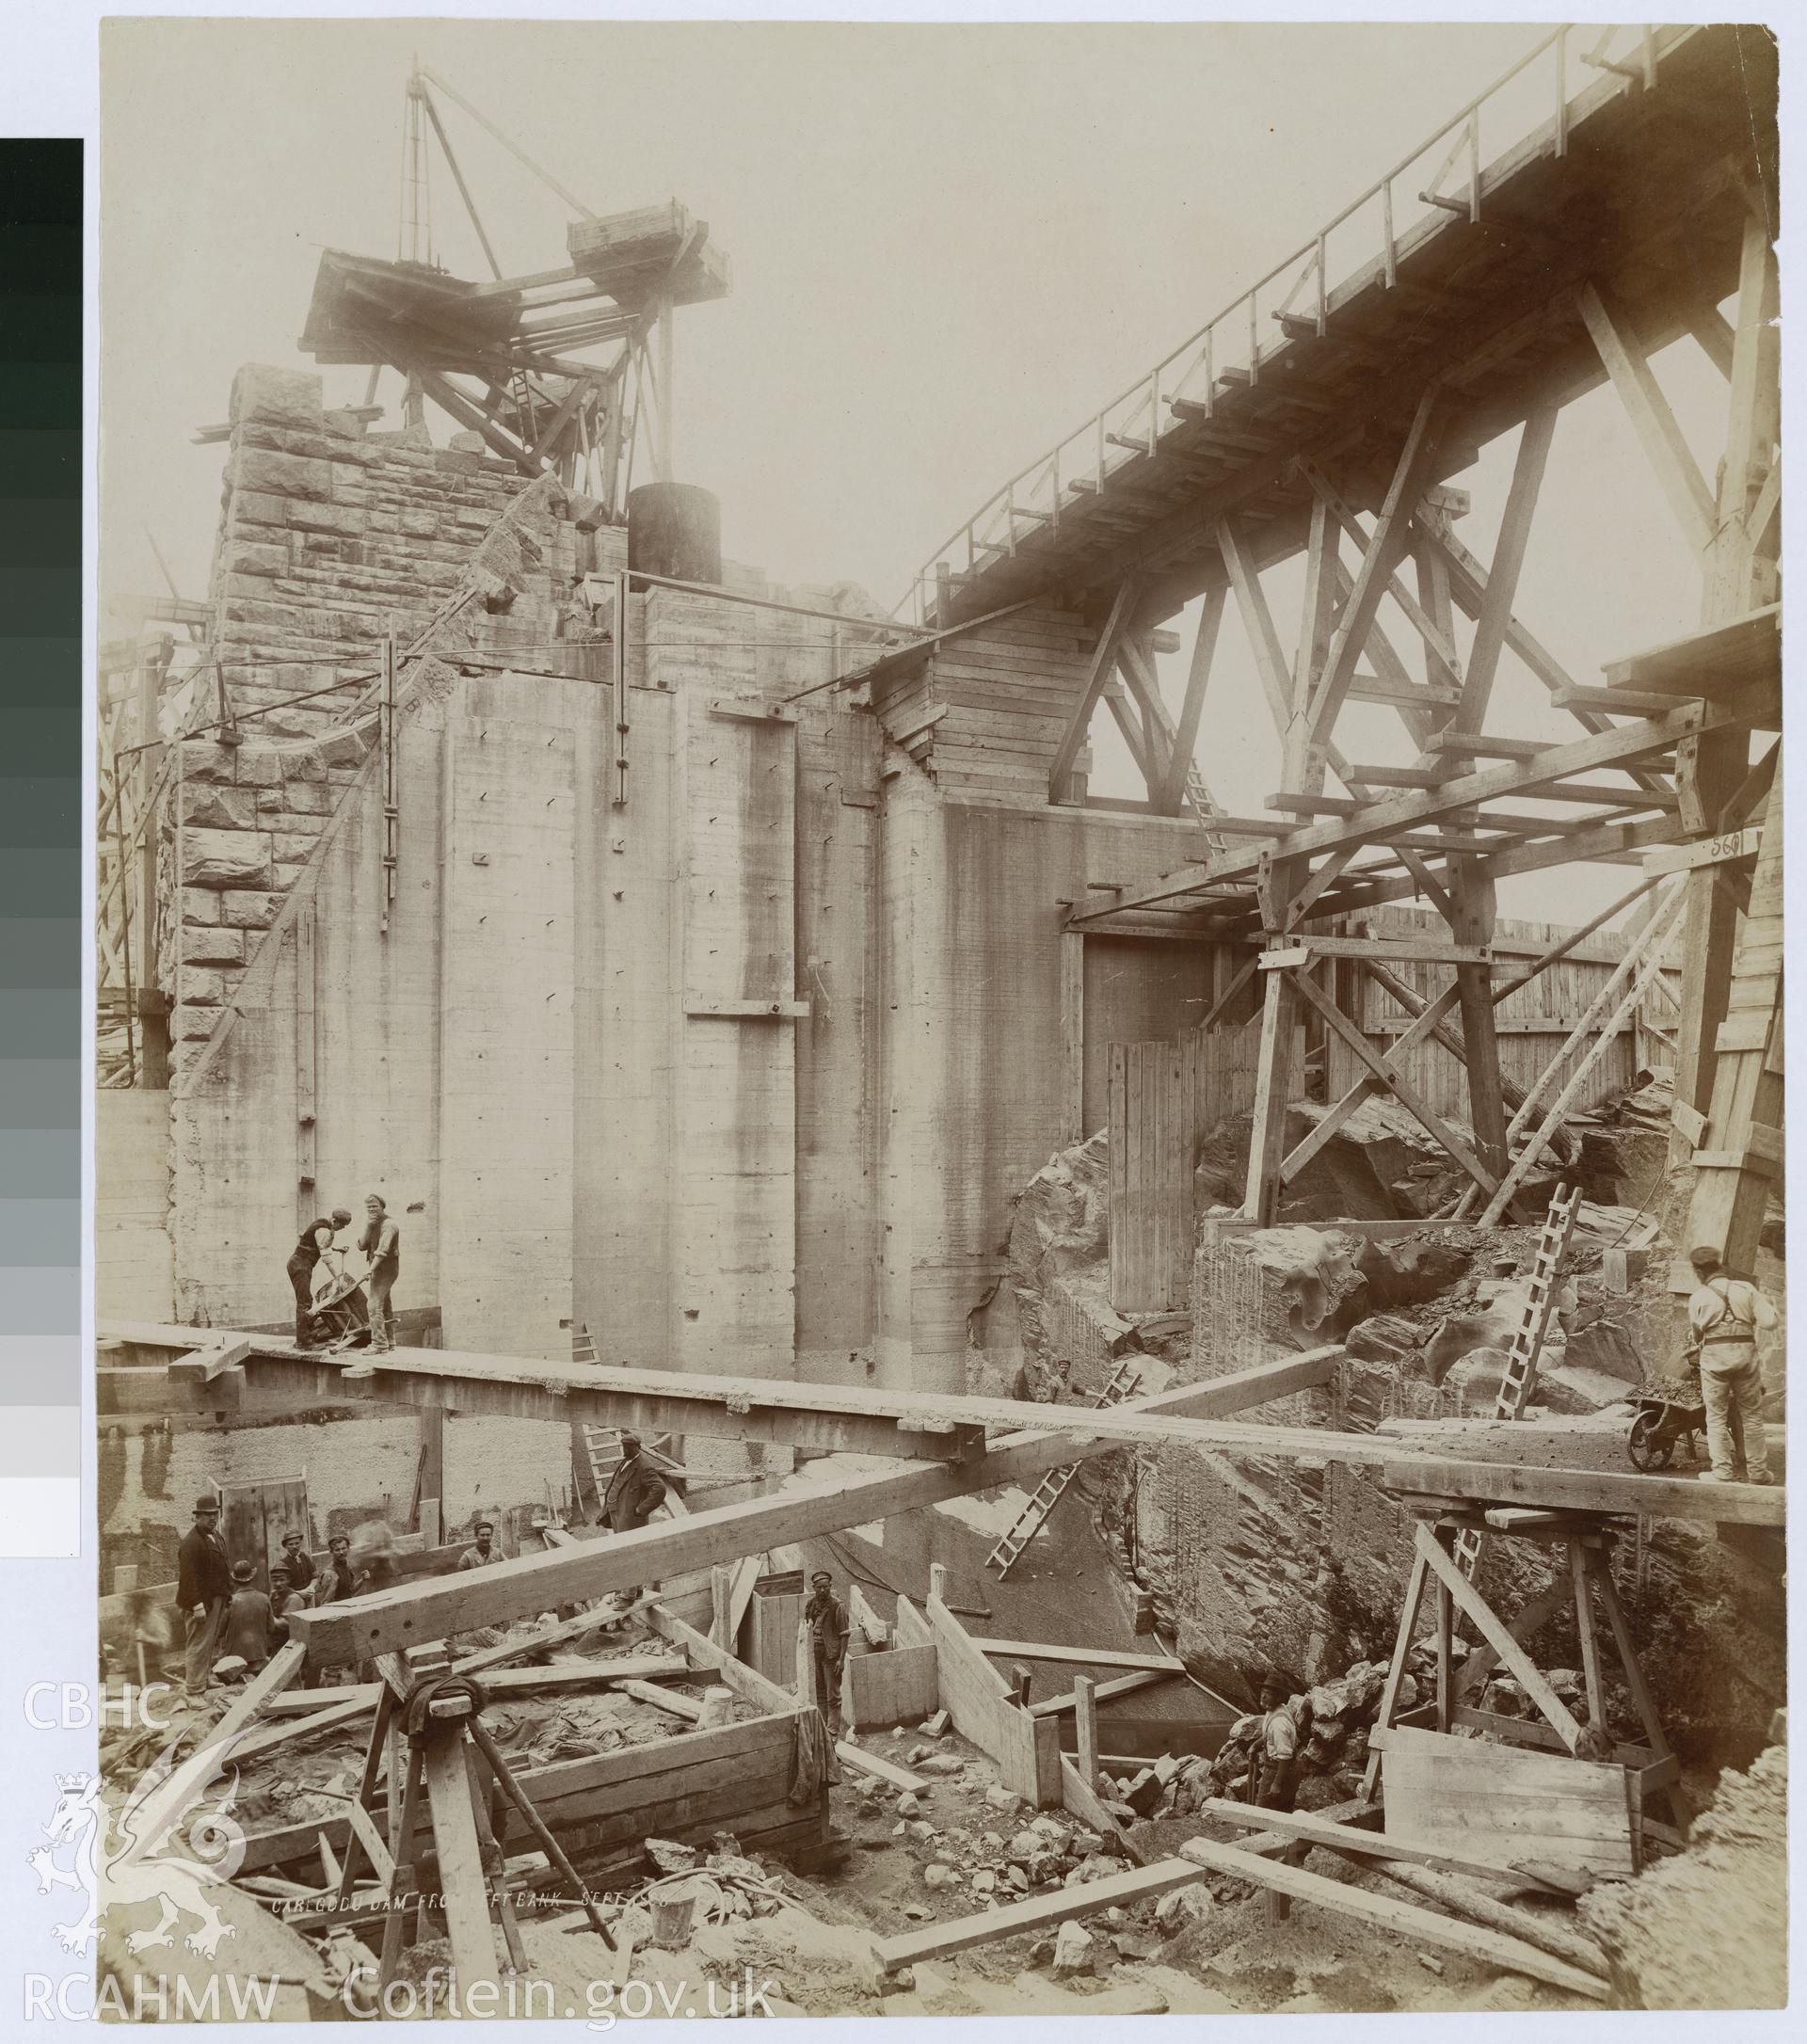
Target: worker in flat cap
<point x="297" y="1564"/>
<point x="825" y="1617"/>
<point x="482" y="1549"/>
<point x="203" y="1592"/>
<point x="1726" y="1314"/>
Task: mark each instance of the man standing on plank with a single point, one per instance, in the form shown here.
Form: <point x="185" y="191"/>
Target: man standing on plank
<point x="1725" y="1313"/>
<point x="382" y="1241"/>
<point x="203" y="1592"/>
<point x="826" y="1617"/>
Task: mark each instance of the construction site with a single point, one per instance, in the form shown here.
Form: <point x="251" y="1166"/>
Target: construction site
<point x="626" y="1087"/>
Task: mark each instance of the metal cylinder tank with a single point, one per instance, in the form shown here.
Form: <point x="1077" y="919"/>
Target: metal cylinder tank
<point x="675" y="529"/>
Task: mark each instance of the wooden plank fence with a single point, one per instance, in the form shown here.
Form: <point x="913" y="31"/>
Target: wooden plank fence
<point x="1163" y="1099"/>
<point x="1531" y="1023"/>
<point x="1151" y="1200"/>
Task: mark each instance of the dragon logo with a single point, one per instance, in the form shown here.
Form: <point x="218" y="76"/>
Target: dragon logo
<point x="119" y="1857"/>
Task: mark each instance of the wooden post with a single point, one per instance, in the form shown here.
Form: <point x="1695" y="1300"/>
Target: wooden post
<point x="1472" y="897"/>
<point x="1590" y="1644"/>
<point x="1739" y="576"/>
<point x="1445" y="1633"/>
<point x="1396" y="1672"/>
<point x="432" y="1473"/>
<point x="464" y="1893"/>
<point x="1273" y="1058"/>
<point x="1303" y="768"/>
<point x="663" y="453"/>
<point x="1085" y="1713"/>
<point x="1072" y="1038"/>
<point x="305" y="1054"/>
<point x="390" y="813"/>
<point x="402" y="1821"/>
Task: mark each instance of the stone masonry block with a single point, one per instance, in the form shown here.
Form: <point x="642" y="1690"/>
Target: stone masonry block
<point x="298" y="764"/>
<point x="289" y="398"/>
<point x="211" y="945"/>
<point x="199" y="904"/>
<point x="204" y="760"/>
<point x="421" y="524"/>
<point x="252" y="557"/>
<point x="260" y="766"/>
<point x="297" y="846"/>
<point x="349" y="747"/>
<point x="282" y="475"/>
<point x="346" y="519"/>
<point x="257" y="508"/>
<point x="217" y="807"/>
<point x="227" y="858"/>
<point x="294" y="798"/>
<point x="249" y="910"/>
<point x="198" y="986"/>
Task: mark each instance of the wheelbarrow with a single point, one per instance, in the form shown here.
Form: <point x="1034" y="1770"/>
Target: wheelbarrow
<point x="1658" y="1423"/>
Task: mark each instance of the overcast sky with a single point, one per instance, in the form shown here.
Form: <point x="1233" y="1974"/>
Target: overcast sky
<point x="949" y="246"/>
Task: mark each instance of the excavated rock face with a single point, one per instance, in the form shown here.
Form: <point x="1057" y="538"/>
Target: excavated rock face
<point x="1380" y="1165"/>
<point x="1709" y="1927"/>
<point x="1295" y="1568"/>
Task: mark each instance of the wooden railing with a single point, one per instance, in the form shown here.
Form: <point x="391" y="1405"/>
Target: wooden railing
<point x="1375" y="228"/>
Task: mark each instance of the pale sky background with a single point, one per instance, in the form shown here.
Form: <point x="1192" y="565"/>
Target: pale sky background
<point x="949" y="246"/>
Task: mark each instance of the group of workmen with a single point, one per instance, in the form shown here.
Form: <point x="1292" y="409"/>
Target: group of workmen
<point x="340" y="1303"/>
<point x="223" y="1610"/>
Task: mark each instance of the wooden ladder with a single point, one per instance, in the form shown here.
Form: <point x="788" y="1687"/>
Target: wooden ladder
<point x="602" y="1445"/>
<point x="1123" y="1382"/>
<point x="1519" y="1380"/>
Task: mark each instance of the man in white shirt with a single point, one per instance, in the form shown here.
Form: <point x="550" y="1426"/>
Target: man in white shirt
<point x="1726" y="1313"/>
<point x="1277" y="1781"/>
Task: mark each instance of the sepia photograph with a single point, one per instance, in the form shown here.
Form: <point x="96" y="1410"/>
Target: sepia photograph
<point x="939" y="1162"/>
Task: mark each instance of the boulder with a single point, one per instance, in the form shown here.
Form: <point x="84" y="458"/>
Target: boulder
<point x="1180" y="1908"/>
<point x="1074" y="1950"/>
<point x="1144" y="1793"/>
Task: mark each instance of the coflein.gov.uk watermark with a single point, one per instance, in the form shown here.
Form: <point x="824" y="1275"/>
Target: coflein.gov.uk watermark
<point x="252" y="1998"/>
<point x="148" y="1872"/>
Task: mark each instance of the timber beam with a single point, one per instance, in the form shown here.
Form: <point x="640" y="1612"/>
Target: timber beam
<point x="1374" y="822"/>
<point x="412" y="1614"/>
<point x="815" y="1418"/>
